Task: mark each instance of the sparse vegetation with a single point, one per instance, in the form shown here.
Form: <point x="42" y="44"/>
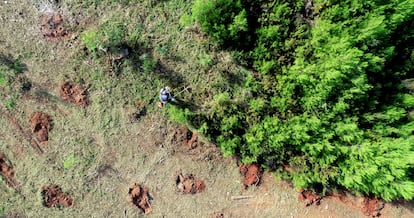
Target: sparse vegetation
<point x="319" y="92"/>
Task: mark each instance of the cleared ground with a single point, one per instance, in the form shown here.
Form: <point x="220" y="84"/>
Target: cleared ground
<point x="95" y="153"/>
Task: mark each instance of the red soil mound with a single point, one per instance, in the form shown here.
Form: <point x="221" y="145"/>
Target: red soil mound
<point x="5" y="170"/>
<point x="252" y="174"/>
<point x="8" y="173"/>
<point x="372" y="207"/>
<point x="189" y="184"/>
<point x="52" y="27"/>
<point x="40" y="125"/>
<point x="53" y="196"/>
<point x="139" y="196"/>
<point x="368" y="205"/>
<point x="309" y="197"/>
<point x="186" y="137"/>
<point x="74" y="94"/>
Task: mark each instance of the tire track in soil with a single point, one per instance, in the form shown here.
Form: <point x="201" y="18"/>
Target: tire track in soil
<point x="25" y="134"/>
<point x="7" y="172"/>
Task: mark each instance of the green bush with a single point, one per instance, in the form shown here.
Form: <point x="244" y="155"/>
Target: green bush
<point x="328" y="97"/>
<point x="177" y="114"/>
<point x="224" y="20"/>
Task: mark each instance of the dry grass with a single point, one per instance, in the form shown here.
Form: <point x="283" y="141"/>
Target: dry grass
<point x="109" y="153"/>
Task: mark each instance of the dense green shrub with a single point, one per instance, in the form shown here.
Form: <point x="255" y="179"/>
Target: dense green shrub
<point x="224" y="20"/>
<point x="328" y="99"/>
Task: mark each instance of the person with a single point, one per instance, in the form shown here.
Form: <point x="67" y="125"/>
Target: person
<point x="165" y="96"/>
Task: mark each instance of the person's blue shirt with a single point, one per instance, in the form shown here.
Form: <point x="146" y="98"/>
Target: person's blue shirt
<point x="165" y="95"/>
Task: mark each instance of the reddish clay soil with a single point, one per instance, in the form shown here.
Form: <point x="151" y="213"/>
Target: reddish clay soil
<point x="309" y="197"/>
<point x="188" y="184"/>
<point x="372" y="207"/>
<point x="40" y="125"/>
<point x="139" y="196"/>
<point x="368" y="205"/>
<point x="186" y="137"/>
<point x="6" y="171"/>
<point x="53" y="196"/>
<point x="74" y="94"/>
<point x="53" y="28"/>
<point x="252" y="174"/>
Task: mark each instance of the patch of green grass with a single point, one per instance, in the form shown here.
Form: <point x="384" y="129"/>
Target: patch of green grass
<point x="97" y="74"/>
<point x="148" y="64"/>
<point x="162" y="50"/>
<point x="10" y="104"/>
<point x="11" y="101"/>
<point x="186" y="20"/>
<point x="92" y="40"/>
<point x="69" y="162"/>
<point x="3" y="80"/>
<point x="114" y="32"/>
<point x="177" y="114"/>
<point x="135" y="34"/>
<point x="17" y="66"/>
<point x="205" y="60"/>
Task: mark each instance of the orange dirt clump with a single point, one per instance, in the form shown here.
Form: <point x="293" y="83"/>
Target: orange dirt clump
<point x="192" y="143"/>
<point x="139" y="196"/>
<point x="252" y="174"/>
<point x="53" y="196"/>
<point x="52" y="27"/>
<point x="40" y="125"/>
<point x="186" y="137"/>
<point x="189" y="184"/>
<point x="74" y="94"/>
<point x="5" y="170"/>
<point x="372" y="207"/>
<point x="309" y="197"/>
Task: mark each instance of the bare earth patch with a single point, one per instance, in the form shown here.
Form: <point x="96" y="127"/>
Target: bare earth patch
<point x="309" y="197"/>
<point x="252" y="174"/>
<point x="53" y="196"/>
<point x="372" y="207"/>
<point x="7" y="171"/>
<point x="186" y="137"/>
<point x="53" y="27"/>
<point x="139" y="196"/>
<point x="188" y="184"/>
<point x="74" y="94"/>
<point x="40" y="125"/>
<point x="369" y="206"/>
